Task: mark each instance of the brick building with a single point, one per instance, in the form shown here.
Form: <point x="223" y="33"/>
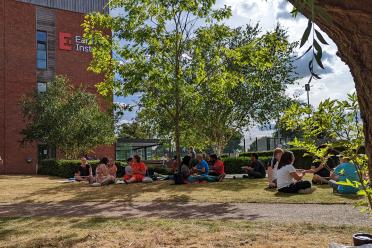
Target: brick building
<point x="38" y="40"/>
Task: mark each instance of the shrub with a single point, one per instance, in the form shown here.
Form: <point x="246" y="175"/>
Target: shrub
<point x="302" y="160"/>
<point x="67" y="168"/>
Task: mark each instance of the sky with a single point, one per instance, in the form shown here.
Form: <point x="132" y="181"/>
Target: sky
<point x="336" y="80"/>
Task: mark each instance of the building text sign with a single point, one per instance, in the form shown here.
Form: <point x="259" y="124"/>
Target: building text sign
<point x="68" y="42"/>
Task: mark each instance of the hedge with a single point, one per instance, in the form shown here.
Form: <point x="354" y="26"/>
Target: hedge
<point x="301" y="161"/>
<point x="67" y="168"/>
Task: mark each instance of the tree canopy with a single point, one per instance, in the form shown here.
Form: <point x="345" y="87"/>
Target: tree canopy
<point x="66" y="117"/>
<point x="200" y="81"/>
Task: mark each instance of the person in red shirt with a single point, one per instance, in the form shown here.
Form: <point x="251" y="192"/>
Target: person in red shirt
<point x="218" y="168"/>
<point x="139" y="170"/>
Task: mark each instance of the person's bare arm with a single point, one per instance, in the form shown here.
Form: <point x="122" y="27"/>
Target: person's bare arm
<point x="315" y="169"/>
<point x="297" y="176"/>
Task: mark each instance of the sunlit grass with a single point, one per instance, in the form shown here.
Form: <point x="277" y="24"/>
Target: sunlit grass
<point x="106" y="232"/>
<point x="45" y="189"/>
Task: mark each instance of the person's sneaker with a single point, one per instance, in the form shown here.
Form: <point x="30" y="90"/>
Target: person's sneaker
<point x="307" y="191"/>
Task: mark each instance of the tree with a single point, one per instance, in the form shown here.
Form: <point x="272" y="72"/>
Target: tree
<point x="259" y="97"/>
<point x="133" y="130"/>
<point x="349" y="26"/>
<point x="234" y="143"/>
<point x="334" y="125"/>
<point x="66" y="117"/>
<point x="158" y="38"/>
<point x="169" y="51"/>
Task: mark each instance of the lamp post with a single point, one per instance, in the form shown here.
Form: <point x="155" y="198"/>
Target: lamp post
<point x="307" y="88"/>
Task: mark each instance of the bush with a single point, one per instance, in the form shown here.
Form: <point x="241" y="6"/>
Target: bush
<point x="234" y="165"/>
<point x="301" y="161"/>
<point x="67" y="168"/>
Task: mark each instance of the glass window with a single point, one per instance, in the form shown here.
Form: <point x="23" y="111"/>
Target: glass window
<point x="41" y="57"/>
<point x="41" y="87"/>
<point x="41" y="36"/>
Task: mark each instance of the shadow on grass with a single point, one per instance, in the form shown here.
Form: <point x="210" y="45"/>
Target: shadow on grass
<point x="128" y="193"/>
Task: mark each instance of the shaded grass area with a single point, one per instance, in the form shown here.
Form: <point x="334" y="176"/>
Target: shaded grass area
<point x="106" y="232"/>
<point x="48" y="189"/>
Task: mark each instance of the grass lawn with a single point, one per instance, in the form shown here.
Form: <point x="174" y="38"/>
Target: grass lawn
<point x="106" y="232"/>
<point x="45" y="189"/>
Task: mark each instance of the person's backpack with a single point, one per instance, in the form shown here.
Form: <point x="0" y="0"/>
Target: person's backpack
<point x="178" y="179"/>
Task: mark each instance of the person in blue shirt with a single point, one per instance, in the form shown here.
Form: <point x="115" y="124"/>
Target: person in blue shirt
<point x="346" y="170"/>
<point x="202" y="167"/>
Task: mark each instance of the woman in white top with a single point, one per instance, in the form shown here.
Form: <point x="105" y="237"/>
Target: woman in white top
<point x="273" y="167"/>
<point x="288" y="179"/>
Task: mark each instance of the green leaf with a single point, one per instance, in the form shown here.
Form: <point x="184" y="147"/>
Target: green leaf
<point x="320" y="37"/>
<point x="306" y="34"/>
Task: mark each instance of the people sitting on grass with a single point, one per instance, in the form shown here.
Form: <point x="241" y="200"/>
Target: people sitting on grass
<point x="288" y="179"/>
<point x="138" y="171"/>
<point x="343" y="172"/>
<point x="272" y="167"/>
<point x="218" y="168"/>
<point x="256" y="168"/>
<point x="84" y="172"/>
<point x="103" y="176"/>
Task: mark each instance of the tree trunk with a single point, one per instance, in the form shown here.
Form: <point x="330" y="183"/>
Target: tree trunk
<point x="351" y="29"/>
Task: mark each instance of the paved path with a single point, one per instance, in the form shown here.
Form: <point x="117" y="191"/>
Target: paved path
<point x="290" y="213"/>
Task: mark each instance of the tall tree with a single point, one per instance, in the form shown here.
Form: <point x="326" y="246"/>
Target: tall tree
<point x="161" y="57"/>
<point x="186" y="65"/>
<point x="67" y="118"/>
<point x="259" y="96"/>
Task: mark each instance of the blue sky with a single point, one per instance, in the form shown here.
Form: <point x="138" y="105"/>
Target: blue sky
<point x="336" y="79"/>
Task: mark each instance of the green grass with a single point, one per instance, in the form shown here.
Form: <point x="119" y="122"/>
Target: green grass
<point x="106" y="232"/>
<point x="46" y="189"/>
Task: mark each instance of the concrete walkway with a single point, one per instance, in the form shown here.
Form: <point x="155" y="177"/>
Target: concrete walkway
<point x="290" y="213"/>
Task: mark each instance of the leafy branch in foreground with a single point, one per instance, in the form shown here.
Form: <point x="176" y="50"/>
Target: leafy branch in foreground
<point x="334" y="125"/>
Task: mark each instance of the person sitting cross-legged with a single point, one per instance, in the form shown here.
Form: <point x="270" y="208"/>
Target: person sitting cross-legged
<point x="288" y="179"/>
<point x="84" y="172"/>
<point x="218" y="168"/>
<point x="103" y="176"/>
<point x="343" y="172"/>
<point x="112" y="168"/>
<point x="138" y="170"/>
<point x="256" y="169"/>
<point x="202" y="167"/>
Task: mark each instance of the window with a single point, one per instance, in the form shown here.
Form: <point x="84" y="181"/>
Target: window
<point x="41" y="59"/>
<point x="41" y="87"/>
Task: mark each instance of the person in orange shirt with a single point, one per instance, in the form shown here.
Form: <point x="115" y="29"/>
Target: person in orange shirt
<point x="139" y="170"/>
